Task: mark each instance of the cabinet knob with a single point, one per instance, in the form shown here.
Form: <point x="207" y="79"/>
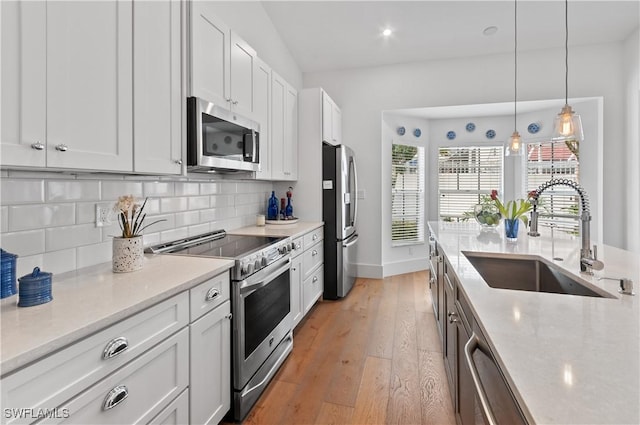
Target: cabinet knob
<point x="114" y="347"/>
<point x="235" y="102"/>
<point x="62" y="147"/>
<point x="178" y="161"/>
<point x="115" y="397"/>
<point x="229" y="316"/>
<point x="228" y="99"/>
<point x="315" y="279"/>
<point x="315" y="237"/>
<point x="314" y="253"/>
<point x="37" y="146"/>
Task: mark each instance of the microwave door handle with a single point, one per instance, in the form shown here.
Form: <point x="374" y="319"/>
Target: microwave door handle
<point x="255" y="147"/>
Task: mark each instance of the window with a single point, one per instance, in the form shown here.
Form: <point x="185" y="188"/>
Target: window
<point x="558" y="204"/>
<point x="465" y="174"/>
<point x="407" y="195"/>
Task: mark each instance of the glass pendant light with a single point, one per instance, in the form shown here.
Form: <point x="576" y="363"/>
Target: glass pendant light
<point x="567" y="125"/>
<point x="514" y="148"/>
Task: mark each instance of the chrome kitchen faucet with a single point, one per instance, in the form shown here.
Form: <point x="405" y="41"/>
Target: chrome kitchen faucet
<point x="588" y="258"/>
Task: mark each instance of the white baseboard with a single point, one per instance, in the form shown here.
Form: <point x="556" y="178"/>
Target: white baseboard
<point x="370" y="271"/>
<point x="407" y="266"/>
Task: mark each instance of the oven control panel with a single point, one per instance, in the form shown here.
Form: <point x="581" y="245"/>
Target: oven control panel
<point x="263" y="258"/>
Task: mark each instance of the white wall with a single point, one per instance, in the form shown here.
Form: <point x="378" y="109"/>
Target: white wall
<point x="632" y="145"/>
<point x="251" y="22"/>
<point x="364" y="93"/>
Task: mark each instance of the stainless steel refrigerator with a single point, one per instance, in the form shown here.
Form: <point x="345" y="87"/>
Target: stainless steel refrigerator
<point x="339" y="212"/>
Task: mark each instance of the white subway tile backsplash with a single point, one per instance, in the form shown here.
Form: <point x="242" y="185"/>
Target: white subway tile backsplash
<point x="248" y="198"/>
<point x="112" y="190"/>
<point x="73" y="190"/>
<point x="152" y="207"/>
<point x="109" y="232"/>
<point x="173" y="234"/>
<point x="210" y="188"/>
<point x="198" y="229"/>
<point x="158" y="189"/>
<point x="90" y="255"/>
<point x="151" y="239"/>
<point x="168" y="223"/>
<point x="187" y="218"/>
<point x="59" y="262"/>
<point x="25" y="265"/>
<point x="229" y="187"/>
<point x="21" y="191"/>
<point x="220" y="201"/>
<point x="25" y="243"/>
<point x="198" y="202"/>
<point x="72" y="236"/>
<point x="4" y="219"/>
<point x="168" y="205"/>
<point x="25" y="217"/>
<point x="86" y="212"/>
<point x="187" y="188"/>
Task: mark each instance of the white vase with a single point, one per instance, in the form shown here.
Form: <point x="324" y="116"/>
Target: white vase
<point x="128" y="254"/>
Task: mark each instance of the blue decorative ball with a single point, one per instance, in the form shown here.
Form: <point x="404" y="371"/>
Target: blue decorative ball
<point x="451" y="135"/>
<point x="533" y="128"/>
<point x="401" y="131"/>
<point x="490" y="134"/>
<point x="470" y="127"/>
<point x="417" y="132"/>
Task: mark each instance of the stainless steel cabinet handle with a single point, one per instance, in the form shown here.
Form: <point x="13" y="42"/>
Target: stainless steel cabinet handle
<point x="228" y="99"/>
<point x="452" y="317"/>
<point x="114" y="347"/>
<point x="235" y="102"/>
<point x="37" y="146"/>
<point x="178" y="161"/>
<point x="212" y="293"/>
<point x="62" y="147"/>
<point x="469" y="347"/>
<point x="314" y="253"/>
<point x="115" y="397"/>
<point x="315" y="279"/>
<point x="315" y="237"/>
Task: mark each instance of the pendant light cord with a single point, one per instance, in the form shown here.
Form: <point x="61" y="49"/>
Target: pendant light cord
<point x="566" y="52"/>
<point x="515" y="65"/>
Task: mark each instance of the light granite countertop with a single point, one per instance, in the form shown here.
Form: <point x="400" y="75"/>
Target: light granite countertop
<point x="91" y="299"/>
<point x="290" y="230"/>
<point x="569" y="359"/>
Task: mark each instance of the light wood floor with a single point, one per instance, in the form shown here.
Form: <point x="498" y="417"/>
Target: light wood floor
<point x="371" y="358"/>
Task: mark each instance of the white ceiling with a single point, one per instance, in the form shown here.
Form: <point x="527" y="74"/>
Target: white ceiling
<point x="330" y="35"/>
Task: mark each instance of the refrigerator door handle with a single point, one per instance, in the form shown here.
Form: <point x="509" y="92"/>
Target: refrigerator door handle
<point x="353" y="240"/>
<point x="355" y="197"/>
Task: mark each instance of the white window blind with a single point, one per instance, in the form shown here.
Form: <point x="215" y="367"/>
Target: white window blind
<point x="558" y="204"/>
<point x="465" y="174"/>
<point x="407" y="195"/>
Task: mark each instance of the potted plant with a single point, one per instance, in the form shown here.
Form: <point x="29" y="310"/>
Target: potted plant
<point x="512" y="212"/>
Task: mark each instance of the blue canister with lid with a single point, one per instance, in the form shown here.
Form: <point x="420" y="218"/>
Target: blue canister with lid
<point x="8" y="282"/>
<point x="34" y="288"/>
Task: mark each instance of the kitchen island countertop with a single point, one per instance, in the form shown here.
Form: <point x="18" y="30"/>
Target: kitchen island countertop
<point x="88" y="300"/>
<point x="568" y="359"/>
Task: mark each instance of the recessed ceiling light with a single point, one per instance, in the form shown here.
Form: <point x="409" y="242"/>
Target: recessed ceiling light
<point x="386" y="32"/>
<point x="490" y="30"/>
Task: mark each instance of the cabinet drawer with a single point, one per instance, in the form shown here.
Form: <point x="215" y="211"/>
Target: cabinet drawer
<point x="298" y="246"/>
<point x="58" y="377"/>
<point x="312" y="257"/>
<point x="176" y="413"/>
<point x="313" y="238"/>
<point x="208" y="295"/>
<point x="312" y="288"/>
<point x="136" y="393"/>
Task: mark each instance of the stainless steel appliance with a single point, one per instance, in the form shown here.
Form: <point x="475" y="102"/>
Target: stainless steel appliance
<point x="220" y="140"/>
<point x="339" y="212"/>
<point x="262" y="335"/>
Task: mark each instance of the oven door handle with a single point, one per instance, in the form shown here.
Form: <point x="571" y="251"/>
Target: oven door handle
<point x="247" y="286"/>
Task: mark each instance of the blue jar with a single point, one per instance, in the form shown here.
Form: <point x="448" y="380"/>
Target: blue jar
<point x="34" y="288"/>
<point x="8" y="282"/>
<point x="289" y="209"/>
<point x="272" y="208"/>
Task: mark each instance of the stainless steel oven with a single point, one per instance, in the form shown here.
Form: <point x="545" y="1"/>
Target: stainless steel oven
<point x="262" y="331"/>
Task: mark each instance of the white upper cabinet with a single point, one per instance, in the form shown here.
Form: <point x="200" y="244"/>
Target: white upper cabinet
<point x="262" y="109"/>
<point x="331" y="121"/>
<point x="157" y="97"/>
<point x="222" y="64"/>
<point x="284" y="129"/>
<point x="89" y="85"/>
<point x="69" y="74"/>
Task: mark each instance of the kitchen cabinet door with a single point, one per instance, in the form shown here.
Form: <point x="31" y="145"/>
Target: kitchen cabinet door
<point x="331" y="121"/>
<point x="297" y="300"/>
<point x="243" y="59"/>
<point x="210" y="369"/>
<point x="89" y="85"/>
<point x="157" y="97"/>
<point x="23" y="139"/>
<point x="466" y="408"/>
<point x="284" y="129"/>
<point x="210" y="54"/>
<point x="291" y="134"/>
<point x="336" y="124"/>
<point x="450" y="332"/>
<point x="262" y="113"/>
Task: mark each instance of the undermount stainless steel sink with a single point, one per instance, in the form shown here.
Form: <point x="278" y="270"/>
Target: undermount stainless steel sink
<point x="528" y="275"/>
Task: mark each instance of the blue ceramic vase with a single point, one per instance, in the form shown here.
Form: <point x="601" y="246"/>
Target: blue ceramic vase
<point x="511" y="229"/>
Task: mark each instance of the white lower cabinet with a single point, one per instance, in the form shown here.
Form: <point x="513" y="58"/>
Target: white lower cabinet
<point x="211" y="366"/>
<point x="176" y="413"/>
<point x="136" y="393"/>
<point x="307" y="273"/>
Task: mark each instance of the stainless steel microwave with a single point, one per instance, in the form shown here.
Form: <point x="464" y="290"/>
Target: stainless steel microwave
<point x="220" y="140"/>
